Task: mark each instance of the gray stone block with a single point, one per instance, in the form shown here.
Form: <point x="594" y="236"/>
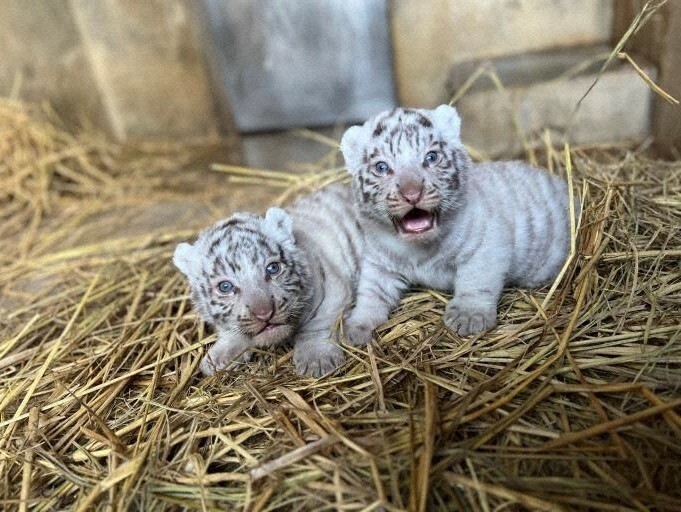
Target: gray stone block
<point x="618" y="108"/>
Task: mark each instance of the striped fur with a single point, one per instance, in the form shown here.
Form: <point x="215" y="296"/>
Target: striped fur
<point x="316" y="246"/>
<point x="431" y="218"/>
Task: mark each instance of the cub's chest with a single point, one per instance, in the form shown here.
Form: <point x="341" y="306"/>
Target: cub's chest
<point x="429" y="266"/>
<point x="436" y="272"/>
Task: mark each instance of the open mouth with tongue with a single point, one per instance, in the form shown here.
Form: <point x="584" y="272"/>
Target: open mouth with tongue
<point x="415" y="222"/>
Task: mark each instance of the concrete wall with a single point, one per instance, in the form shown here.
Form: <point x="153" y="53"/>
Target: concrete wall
<point x="42" y="57"/>
<point x="133" y="67"/>
<point x="142" y="67"/>
<point x="530" y="46"/>
<point x="147" y="66"/>
<point x="431" y="36"/>
<point x="301" y="62"/>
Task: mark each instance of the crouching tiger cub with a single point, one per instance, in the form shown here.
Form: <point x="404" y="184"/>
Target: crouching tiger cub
<point x="262" y="280"/>
<point x="432" y="218"/>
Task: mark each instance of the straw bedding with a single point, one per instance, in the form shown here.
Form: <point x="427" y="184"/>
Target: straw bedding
<point x="573" y="401"/>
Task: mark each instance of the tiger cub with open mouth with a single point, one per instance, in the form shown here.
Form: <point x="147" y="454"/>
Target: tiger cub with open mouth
<point x="434" y="219"/>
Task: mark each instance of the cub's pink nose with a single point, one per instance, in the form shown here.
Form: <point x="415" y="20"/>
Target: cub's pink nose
<point x="412" y="192"/>
<point x="262" y="310"/>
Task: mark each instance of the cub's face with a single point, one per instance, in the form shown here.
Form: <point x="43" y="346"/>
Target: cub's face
<point x="247" y="276"/>
<point x="408" y="167"/>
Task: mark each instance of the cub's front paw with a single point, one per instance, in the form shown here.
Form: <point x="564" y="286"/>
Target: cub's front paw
<point x="357" y="333"/>
<point x="317" y="358"/>
<point x="215" y="360"/>
<point x="466" y="319"/>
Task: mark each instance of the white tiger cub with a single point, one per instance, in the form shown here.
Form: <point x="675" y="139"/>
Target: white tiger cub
<point x="262" y="280"/>
<point x="432" y="218"/>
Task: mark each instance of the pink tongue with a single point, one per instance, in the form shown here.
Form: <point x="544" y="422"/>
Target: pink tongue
<point x="420" y="223"/>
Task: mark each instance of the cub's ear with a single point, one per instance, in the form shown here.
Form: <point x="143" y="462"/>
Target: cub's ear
<point x="280" y="223"/>
<point x="448" y="121"/>
<point x="185" y="259"/>
<point x="351" y="146"/>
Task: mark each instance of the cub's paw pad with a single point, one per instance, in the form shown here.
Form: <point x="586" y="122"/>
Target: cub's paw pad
<point x="214" y="362"/>
<point x="466" y="320"/>
<point x="316" y="359"/>
<point x="357" y="334"/>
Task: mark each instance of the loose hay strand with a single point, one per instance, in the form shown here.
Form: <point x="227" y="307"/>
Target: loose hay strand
<point x="658" y="90"/>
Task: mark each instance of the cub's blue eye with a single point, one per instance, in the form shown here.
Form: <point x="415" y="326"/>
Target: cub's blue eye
<point x="431" y="157"/>
<point x="273" y="268"/>
<point x="381" y="167"/>
<point x="225" y="287"/>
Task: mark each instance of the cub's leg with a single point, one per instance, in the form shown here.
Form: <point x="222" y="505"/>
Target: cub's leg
<point x="228" y="350"/>
<point x="316" y="351"/>
<point x="477" y="288"/>
<point x="316" y="354"/>
<point x="378" y="292"/>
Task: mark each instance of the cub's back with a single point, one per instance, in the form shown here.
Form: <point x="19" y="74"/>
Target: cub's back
<point x="327" y="228"/>
<point x="534" y="205"/>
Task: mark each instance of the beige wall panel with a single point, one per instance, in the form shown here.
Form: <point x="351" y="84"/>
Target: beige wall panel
<point x="429" y="36"/>
<point x="43" y="59"/>
<point x="148" y="66"/>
